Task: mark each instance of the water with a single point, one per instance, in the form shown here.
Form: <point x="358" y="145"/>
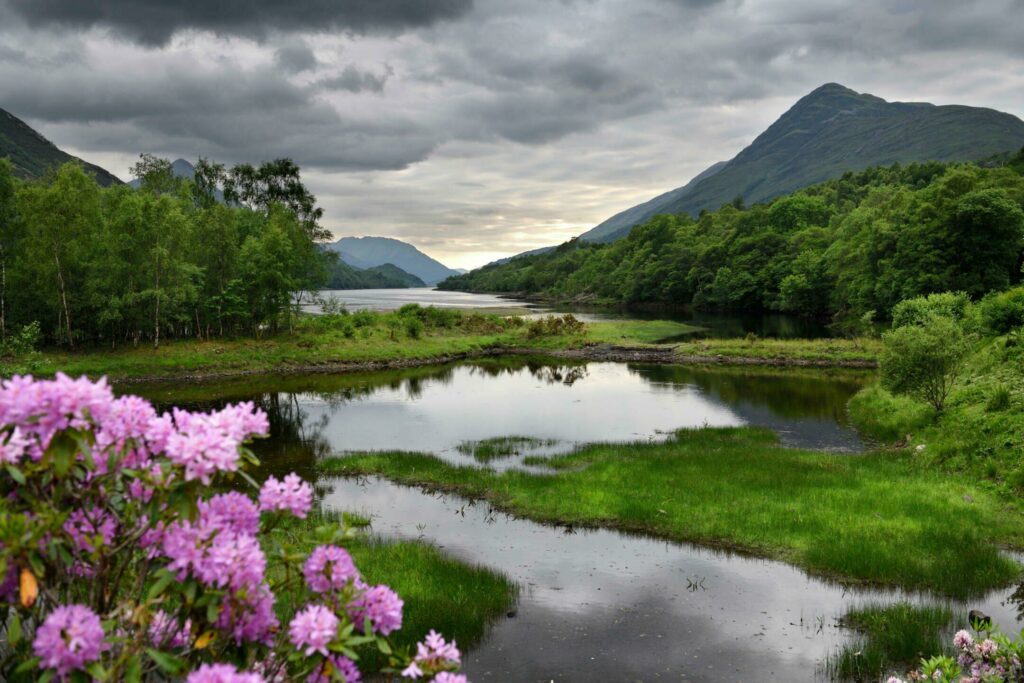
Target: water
<point x="723" y="325"/>
<point x="437" y="409"/>
<point x="602" y="605"/>
<point x="594" y="605"/>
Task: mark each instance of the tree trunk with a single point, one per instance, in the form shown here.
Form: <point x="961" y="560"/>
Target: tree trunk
<point x="3" y="299"/>
<point x="64" y="299"/>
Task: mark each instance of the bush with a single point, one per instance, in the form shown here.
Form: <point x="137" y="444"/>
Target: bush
<point x="924" y="360"/>
<point x="554" y="326"/>
<point x="917" y="311"/>
<point x="113" y="529"/>
<point x="1003" y="312"/>
<point x="18" y="352"/>
<point x="414" y="328"/>
<point x="365" y="318"/>
<point x="880" y="416"/>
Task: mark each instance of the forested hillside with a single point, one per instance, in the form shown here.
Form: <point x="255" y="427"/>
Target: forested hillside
<point x="32" y="155"/>
<point x="848" y="247"/>
<point x="119" y="265"/>
<point x="387" y="276"/>
<point x="830" y="131"/>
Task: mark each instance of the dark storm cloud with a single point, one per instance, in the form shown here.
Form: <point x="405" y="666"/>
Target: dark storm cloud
<point x="295" y="58"/>
<point x="154" y="22"/>
<point x="355" y="80"/>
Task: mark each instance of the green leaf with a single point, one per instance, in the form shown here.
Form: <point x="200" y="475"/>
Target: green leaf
<point x="97" y="671"/>
<point x="168" y="663"/>
<point x="384" y="646"/>
<point x="16" y="474"/>
<point x="14" y="629"/>
<point x="29" y="664"/>
<point x="133" y="670"/>
<point x="161" y="585"/>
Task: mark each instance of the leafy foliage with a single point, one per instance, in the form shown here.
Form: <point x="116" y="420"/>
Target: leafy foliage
<point x="116" y="265"/>
<point x="925" y="360"/>
<point x="860" y="243"/>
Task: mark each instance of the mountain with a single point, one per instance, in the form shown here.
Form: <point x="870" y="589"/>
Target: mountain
<point x="367" y="252"/>
<point x="33" y="155"/>
<point x="826" y="133"/>
<point x="181" y="169"/>
<point x="386" y="276"/>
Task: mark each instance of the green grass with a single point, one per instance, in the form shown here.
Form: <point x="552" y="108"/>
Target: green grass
<point x="860" y="350"/>
<point x="883" y="417"/>
<point x="486" y="450"/>
<point x="323" y="341"/>
<point x="979" y="433"/>
<point x="636" y="332"/>
<point x="456" y="599"/>
<point x="891" y="639"/>
<point x="875" y="518"/>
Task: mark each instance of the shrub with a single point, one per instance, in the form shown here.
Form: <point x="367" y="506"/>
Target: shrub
<point x="365" y="318"/>
<point x="414" y="328"/>
<point x="18" y="352"/>
<point x="1003" y="312"/>
<point x="988" y="656"/>
<point x="924" y="360"/>
<point x="554" y="326"/>
<point x="115" y="527"/>
<point x="919" y="310"/>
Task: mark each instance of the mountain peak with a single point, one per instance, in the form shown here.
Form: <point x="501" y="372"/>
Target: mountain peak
<point x="827" y="132"/>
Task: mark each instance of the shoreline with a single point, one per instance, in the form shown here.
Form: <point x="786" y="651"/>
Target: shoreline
<point x="591" y="353"/>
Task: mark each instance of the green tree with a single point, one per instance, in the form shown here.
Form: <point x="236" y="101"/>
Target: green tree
<point x="924" y="360"/>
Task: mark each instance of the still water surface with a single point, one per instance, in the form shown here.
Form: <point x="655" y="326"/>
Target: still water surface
<point x="594" y="605"/>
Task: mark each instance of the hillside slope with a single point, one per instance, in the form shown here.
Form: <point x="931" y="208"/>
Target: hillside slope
<point x="33" y="155"/>
<point x="828" y="132"/>
<point x="367" y="252"/>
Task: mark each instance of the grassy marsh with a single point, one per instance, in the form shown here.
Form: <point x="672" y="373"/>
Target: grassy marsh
<point x="890" y="638"/>
<point x="499" y="447"/>
<point x="737" y="489"/>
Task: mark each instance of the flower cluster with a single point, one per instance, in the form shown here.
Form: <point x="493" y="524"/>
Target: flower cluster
<point x="104" y="491"/>
<point x="434" y="656"/>
<point x="992" y="659"/>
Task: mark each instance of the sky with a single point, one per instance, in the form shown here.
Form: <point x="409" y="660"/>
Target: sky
<point x="477" y="129"/>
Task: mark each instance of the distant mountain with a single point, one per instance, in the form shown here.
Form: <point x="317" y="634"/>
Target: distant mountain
<point x="181" y="169"/>
<point x="386" y="276"/>
<point x="33" y="155"/>
<point x="367" y="252"/>
<point x="828" y="132"/>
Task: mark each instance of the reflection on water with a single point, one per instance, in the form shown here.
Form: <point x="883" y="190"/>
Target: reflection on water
<point x="560" y="406"/>
<point x="595" y="605"/>
<point x="601" y="605"/>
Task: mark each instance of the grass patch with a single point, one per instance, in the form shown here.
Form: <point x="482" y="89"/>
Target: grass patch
<point x="499" y="447"/>
<point x="412" y="334"/>
<point x="875" y="518"/>
<point x="883" y="417"/>
<point x="892" y="638"/>
<point x="637" y="332"/>
<point x="457" y="599"/>
<point x="862" y="350"/>
<point x="980" y="432"/>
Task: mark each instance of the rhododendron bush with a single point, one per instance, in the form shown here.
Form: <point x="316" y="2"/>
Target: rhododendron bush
<point x="127" y="551"/>
<point x="988" y="658"/>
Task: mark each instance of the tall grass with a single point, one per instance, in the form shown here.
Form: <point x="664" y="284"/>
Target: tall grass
<point x="891" y="639"/>
<point x="874" y="518"/>
<point x="883" y="417"/>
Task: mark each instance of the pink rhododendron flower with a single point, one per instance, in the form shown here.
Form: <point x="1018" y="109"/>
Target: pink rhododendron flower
<point x="381" y="605"/>
<point x="164" y="631"/>
<point x="449" y="677"/>
<point x="88" y="528"/>
<point x="313" y="629"/>
<point x="341" y="665"/>
<point x="69" y="638"/>
<point x="234" y="511"/>
<point x="292" y="494"/>
<point x="222" y="673"/>
<point x="329" y="567"/>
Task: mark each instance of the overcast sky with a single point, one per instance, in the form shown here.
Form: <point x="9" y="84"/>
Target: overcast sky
<point x="479" y="128"/>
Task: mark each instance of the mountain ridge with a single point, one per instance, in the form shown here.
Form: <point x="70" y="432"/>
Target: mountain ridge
<point x="32" y="155"/>
<point x="370" y="251"/>
<point x="827" y="132"/>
